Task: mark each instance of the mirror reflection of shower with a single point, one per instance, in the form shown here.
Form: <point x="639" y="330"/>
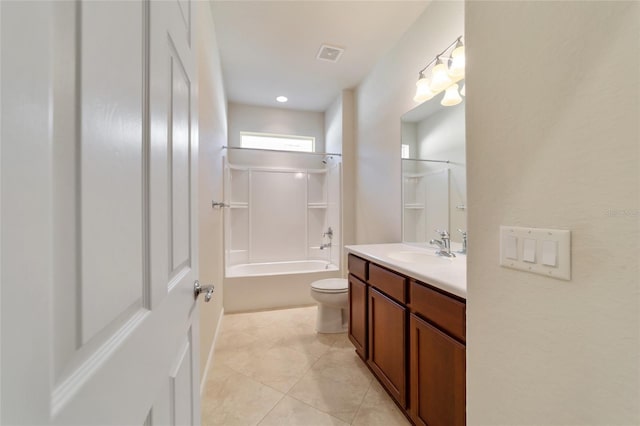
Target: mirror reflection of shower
<point x="284" y="212"/>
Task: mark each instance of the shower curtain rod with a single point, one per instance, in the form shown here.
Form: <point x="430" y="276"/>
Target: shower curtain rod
<point x="280" y="150"/>
<point x="428" y="161"/>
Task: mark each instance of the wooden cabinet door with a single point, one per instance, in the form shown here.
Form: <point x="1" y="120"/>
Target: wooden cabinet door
<point x="387" y="344"/>
<point x="437" y="368"/>
<point x="358" y="315"/>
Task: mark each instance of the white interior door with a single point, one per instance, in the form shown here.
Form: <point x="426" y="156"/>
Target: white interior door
<point x="98" y="217"/>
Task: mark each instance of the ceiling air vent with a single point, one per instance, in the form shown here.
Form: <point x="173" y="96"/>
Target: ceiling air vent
<point x="329" y="53"/>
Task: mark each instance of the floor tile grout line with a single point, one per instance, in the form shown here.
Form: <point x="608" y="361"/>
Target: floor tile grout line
<point x="316" y="408"/>
<point x="272" y="408"/>
<point x="355" y="417"/>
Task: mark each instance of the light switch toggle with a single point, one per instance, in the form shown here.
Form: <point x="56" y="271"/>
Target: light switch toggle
<point x="549" y="253"/>
<point x="529" y="251"/>
<point x="511" y="247"/>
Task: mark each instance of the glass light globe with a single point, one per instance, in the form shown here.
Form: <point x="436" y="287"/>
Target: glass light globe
<point x="451" y="96"/>
<point x="458" y="51"/>
<point x="456" y="69"/>
<point x="440" y="77"/>
<point x="423" y="91"/>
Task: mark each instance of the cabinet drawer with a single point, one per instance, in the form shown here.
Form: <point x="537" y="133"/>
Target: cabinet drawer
<point x="442" y="310"/>
<point x="388" y="282"/>
<point x="358" y="267"/>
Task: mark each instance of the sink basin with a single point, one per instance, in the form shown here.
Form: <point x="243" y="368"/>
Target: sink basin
<point x="418" y="257"/>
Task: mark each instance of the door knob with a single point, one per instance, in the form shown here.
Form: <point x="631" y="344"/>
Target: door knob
<point x="207" y="290"/>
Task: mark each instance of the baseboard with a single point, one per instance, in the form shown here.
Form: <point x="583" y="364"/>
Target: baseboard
<point x="203" y="379"/>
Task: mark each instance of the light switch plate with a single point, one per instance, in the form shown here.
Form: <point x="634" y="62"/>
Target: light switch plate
<point x="537" y="262"/>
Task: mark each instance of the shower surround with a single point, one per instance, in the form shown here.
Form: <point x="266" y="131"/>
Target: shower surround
<point x="282" y="227"/>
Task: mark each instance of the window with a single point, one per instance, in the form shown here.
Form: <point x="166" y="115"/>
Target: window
<point x="405" y="151"/>
<point x="277" y="142"/>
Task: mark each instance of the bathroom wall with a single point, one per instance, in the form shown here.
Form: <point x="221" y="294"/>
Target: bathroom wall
<point x="333" y="214"/>
<point x="383" y="96"/>
<point x="250" y="118"/>
<point x="333" y="126"/>
<point x="409" y="136"/>
<point x="340" y="138"/>
<point x="552" y="141"/>
<point x="212" y="131"/>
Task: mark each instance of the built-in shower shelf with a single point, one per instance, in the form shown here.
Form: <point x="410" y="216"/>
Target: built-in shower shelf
<point x="239" y="205"/>
<point x="413" y="206"/>
<point x="317" y="205"/>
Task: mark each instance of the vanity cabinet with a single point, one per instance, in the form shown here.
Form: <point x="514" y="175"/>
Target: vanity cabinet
<point x="437" y="366"/>
<point x="412" y="336"/>
<point x="437" y="353"/>
<point x="388" y="344"/>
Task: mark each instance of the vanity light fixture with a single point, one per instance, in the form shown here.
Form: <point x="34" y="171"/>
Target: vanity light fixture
<point x="445" y="74"/>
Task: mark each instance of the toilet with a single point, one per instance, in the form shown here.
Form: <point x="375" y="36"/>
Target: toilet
<point x="332" y="295"/>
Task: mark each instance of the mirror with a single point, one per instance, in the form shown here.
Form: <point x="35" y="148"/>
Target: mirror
<point x="434" y="190"/>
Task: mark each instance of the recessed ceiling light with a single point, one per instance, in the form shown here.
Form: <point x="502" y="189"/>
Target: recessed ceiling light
<point x="282" y="99"/>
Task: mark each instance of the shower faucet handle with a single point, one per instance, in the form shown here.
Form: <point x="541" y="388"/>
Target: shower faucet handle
<point x="329" y="233"/>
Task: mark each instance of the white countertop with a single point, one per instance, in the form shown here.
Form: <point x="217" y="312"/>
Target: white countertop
<point x="450" y="276"/>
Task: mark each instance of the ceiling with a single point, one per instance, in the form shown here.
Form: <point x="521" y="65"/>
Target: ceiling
<point x="268" y="48"/>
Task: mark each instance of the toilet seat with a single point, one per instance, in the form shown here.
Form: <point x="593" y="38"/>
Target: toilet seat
<point x="331" y="285"/>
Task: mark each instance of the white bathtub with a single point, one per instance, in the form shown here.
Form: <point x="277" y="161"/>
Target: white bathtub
<point x="279" y="268"/>
<point x="273" y="285"/>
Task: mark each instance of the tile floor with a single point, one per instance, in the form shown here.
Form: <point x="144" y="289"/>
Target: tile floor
<point x="272" y="368"/>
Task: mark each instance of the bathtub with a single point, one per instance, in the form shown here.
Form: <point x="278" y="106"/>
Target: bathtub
<point x="273" y="285"/>
<point x="279" y="268"/>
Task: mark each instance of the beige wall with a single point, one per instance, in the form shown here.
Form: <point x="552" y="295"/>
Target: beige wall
<point x="349" y="171"/>
<point x="384" y="95"/>
<point x="282" y="121"/>
<point x="339" y="134"/>
<point x="553" y="141"/>
<point x="212" y="137"/>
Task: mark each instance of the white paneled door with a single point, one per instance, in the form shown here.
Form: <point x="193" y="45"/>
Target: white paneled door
<point x="99" y="233"/>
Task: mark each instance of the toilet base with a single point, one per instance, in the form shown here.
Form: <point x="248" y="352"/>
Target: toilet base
<point x="331" y="320"/>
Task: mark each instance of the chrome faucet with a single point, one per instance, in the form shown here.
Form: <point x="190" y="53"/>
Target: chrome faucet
<point x="324" y="246"/>
<point x="444" y="244"/>
<point x="464" y="242"/>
